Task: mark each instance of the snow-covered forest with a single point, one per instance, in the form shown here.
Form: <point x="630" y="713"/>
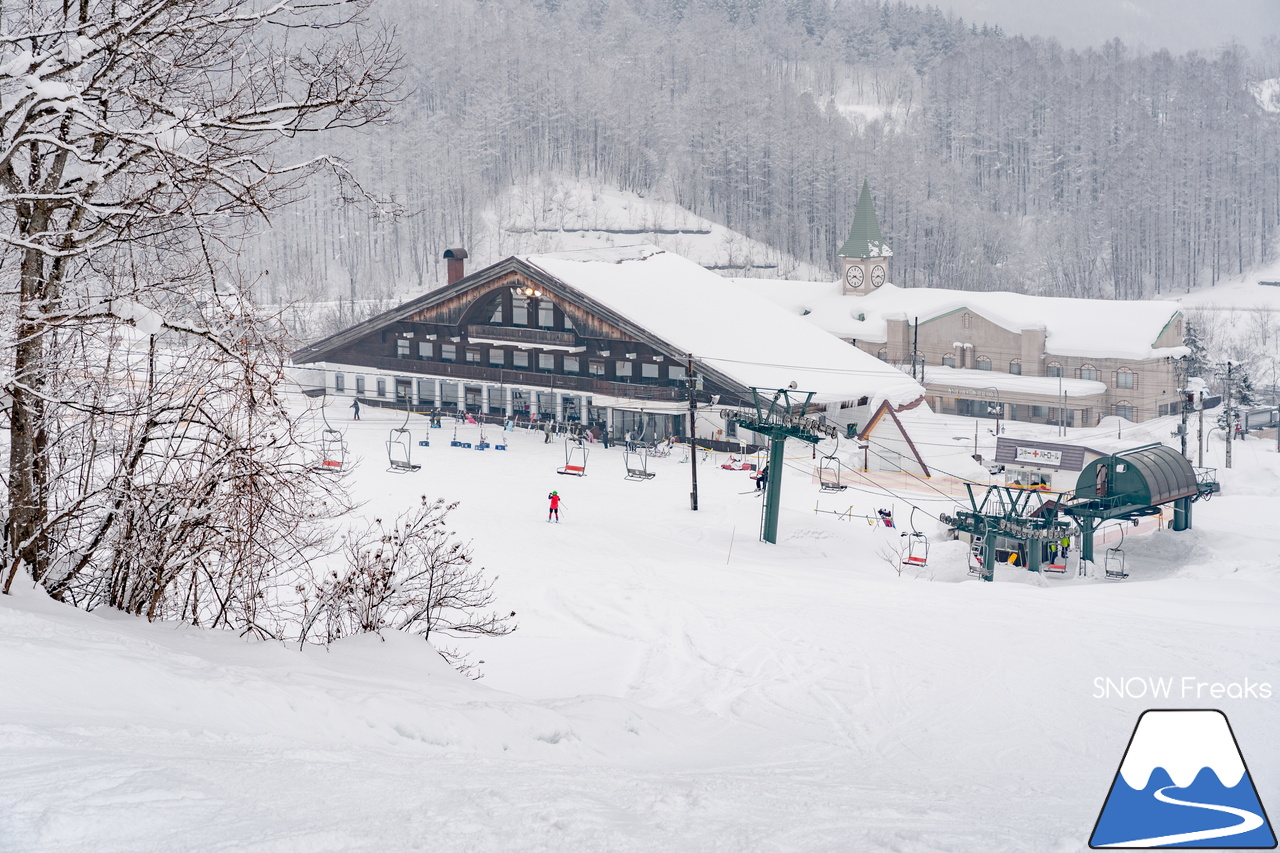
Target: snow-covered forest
<point x="997" y="162"/>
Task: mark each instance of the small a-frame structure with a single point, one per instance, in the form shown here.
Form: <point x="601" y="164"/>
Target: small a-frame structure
<point x="887" y="446"/>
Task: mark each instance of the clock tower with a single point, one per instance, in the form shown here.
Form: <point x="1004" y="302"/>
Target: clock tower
<point x="864" y="257"/>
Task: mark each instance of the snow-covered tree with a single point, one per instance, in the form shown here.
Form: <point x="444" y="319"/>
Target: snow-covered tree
<point x="146" y="440"/>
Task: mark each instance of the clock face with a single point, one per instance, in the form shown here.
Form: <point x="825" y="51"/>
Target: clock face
<point x="877" y="275"/>
<point x="853" y="276"/>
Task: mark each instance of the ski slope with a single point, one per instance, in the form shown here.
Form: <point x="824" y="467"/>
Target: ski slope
<point x="674" y="683"/>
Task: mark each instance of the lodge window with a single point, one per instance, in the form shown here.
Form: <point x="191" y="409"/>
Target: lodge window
<point x="676" y="374"/>
<point x="497" y="357"/>
<point x="966" y="320"/>
<point x="448" y="352"/>
<point x="649" y="371"/>
<point x="546" y="361"/>
<point x="520" y="358"/>
<point x="570" y="364"/>
<point x="1124" y="409"/>
<point x="622" y="368"/>
<point x="359" y="384"/>
<point x="1090" y="372"/>
<point x="425" y="350"/>
<point x="382" y="387"/>
<point x="1053" y="368"/>
<point x="402" y="348"/>
<point x="883" y="354"/>
<point x="984" y="363"/>
<point x="1015" y="367"/>
<point x="595" y="368"/>
<point x="339" y="382"/>
<point x="1126" y="378"/>
<point x="426" y="392"/>
<point x="949" y="360"/>
<point x="519" y="311"/>
<point x="546" y="315"/>
<point x="473" y="356"/>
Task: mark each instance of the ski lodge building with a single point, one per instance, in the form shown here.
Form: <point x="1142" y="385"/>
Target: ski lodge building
<point x="991" y="354"/>
<point x="600" y="337"/>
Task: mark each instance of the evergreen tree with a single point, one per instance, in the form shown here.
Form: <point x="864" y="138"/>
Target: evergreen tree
<point x="1197" y="363"/>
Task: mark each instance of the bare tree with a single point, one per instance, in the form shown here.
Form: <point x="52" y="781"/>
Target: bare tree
<point x="413" y="575"/>
<point x="135" y="142"/>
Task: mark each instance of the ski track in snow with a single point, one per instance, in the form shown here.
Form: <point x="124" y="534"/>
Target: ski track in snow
<point x="660" y="693"/>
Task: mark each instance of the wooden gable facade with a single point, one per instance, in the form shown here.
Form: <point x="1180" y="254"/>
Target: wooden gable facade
<point x="503" y="339"/>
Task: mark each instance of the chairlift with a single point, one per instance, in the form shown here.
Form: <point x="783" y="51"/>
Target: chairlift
<point x="399" y="453"/>
<point x="333" y="447"/>
<point x="830" y="474"/>
<point x="1113" y="567"/>
<point x="917" y="545"/>
<point x="1057" y="562"/>
<point x="575" y="459"/>
<point x="637" y="464"/>
<point x="977" y="558"/>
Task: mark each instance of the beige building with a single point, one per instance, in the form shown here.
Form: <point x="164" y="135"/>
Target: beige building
<point x="992" y="354"/>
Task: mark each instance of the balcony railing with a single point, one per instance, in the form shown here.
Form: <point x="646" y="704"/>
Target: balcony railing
<point x="521" y="335"/>
<point x="533" y="378"/>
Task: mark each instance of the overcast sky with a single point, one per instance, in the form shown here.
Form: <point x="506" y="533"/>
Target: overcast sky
<point x="1179" y="25"/>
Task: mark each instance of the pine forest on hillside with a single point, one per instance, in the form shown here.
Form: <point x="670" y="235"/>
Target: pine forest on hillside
<point x="996" y="162"/>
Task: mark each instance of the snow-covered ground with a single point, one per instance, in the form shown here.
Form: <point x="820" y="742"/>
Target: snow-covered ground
<point x="674" y="684"/>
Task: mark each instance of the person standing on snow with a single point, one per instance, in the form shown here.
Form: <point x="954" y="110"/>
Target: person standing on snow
<point x="554" y="497"/>
<point x="355" y="404"/>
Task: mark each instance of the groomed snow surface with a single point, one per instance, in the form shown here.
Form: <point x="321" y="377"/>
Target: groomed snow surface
<point x="674" y="685"/>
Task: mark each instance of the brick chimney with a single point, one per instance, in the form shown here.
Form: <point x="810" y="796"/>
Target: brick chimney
<point x="457" y="264"/>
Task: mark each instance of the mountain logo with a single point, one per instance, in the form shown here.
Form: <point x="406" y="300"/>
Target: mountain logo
<point x="1183" y="783"/>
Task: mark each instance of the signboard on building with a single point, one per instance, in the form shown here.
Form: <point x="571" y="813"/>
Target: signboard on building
<point x="1038" y="456"/>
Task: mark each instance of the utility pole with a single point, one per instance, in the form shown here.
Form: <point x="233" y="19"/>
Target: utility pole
<point x="915" y="351"/>
<point x="693" y="439"/>
<point x="1187" y="402"/>
<point x="1227" y="410"/>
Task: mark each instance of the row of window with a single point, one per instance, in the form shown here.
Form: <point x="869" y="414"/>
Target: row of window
<point x="521" y="359"/>
<point x="1124" y="377"/>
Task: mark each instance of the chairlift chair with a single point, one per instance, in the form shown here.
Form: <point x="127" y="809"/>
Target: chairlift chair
<point x="333" y="448"/>
<point x="1113" y="566"/>
<point x="830" y="470"/>
<point x="575" y="459"/>
<point x="917" y="545"/>
<point x="977" y="558"/>
<point x="399" y="453"/>
<point x="637" y="464"/>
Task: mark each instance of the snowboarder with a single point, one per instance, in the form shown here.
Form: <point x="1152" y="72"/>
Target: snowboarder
<point x="762" y="479"/>
<point x="355" y="404"/>
<point x="604" y="436"/>
<point x="546" y="431"/>
<point x="554" y="497"/>
<point x="510" y="427"/>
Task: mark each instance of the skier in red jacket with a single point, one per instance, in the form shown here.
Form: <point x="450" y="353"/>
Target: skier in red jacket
<point x="554" y="497"/>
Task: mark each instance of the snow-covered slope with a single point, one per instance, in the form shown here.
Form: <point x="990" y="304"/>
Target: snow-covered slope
<point x="552" y="214"/>
<point x="674" y="684"/>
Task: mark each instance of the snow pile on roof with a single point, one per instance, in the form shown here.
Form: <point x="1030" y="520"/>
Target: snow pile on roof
<point x="1016" y="383"/>
<point x="743" y="336"/>
<point x="1096" y="328"/>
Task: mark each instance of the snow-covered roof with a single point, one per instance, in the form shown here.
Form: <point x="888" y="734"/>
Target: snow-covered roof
<point x="742" y="335"/>
<point x="1088" y="328"/>
<point x="1044" y="386"/>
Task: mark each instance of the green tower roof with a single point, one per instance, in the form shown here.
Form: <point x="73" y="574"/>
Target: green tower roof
<point x="864" y="237"/>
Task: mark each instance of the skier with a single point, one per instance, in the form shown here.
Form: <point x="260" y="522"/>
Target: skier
<point x="510" y="427"/>
<point x="355" y="404"/>
<point x="554" y="497"/>
<point x="546" y="431"/>
<point x="762" y="479"/>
